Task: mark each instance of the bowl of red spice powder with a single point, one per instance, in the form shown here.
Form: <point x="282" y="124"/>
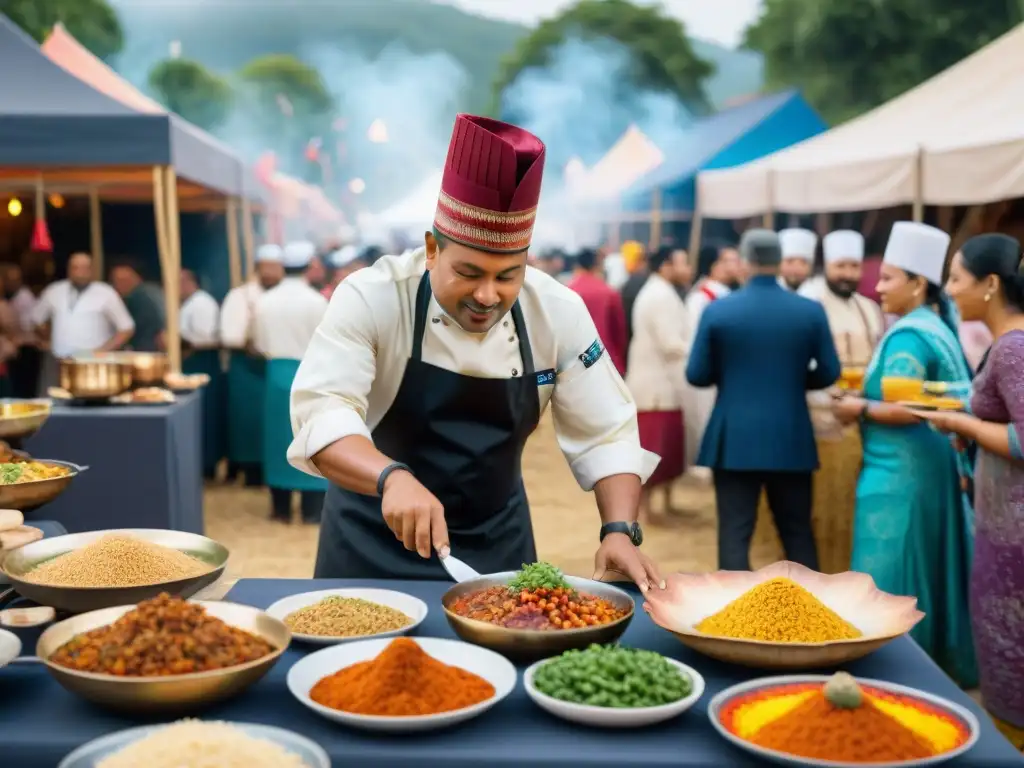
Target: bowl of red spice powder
<point x="840" y="722"/>
<point x="402" y="685"/>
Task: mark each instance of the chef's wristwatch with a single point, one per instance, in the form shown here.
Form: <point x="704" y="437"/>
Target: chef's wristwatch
<point x="633" y="530"/>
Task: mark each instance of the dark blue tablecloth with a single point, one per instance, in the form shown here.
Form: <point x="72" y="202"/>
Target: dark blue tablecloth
<point x="40" y="722"/>
<point x="145" y="465"/>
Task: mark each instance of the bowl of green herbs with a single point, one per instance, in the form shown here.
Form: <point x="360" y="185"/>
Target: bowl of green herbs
<point x="536" y="612"/>
<point x="610" y="686"/>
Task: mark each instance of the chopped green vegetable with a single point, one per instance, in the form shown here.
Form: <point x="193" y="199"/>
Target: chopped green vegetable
<point x="9" y="473"/>
<point x="538" y="576"/>
<point x="612" y="676"/>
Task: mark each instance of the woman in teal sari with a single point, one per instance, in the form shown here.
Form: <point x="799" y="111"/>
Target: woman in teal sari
<point x="913" y="529"/>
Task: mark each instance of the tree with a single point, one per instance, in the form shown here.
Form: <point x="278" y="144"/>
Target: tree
<point x="848" y="56"/>
<point x="94" y="23"/>
<point x="284" y="86"/>
<point x="189" y="89"/>
<point x="661" y="58"/>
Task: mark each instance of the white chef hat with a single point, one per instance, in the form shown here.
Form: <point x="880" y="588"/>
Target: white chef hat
<point x="843" y="244"/>
<point x="270" y="252"/>
<point x="343" y="256"/>
<point x="917" y="248"/>
<point x="298" y="254"/>
<point x="798" y="243"/>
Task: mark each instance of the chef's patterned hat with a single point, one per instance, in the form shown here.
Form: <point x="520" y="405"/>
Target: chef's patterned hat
<point x="491" y="185"/>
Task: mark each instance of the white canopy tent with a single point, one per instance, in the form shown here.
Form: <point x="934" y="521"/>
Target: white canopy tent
<point x="632" y="156"/>
<point x="416" y="209"/>
<point x="956" y="139"/>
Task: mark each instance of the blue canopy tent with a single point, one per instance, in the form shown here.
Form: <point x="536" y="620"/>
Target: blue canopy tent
<point x="731" y="137"/>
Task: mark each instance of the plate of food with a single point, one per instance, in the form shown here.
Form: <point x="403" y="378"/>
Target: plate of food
<point x="782" y="616"/>
<point x="842" y="722"/>
<point x="934" y="404"/>
<point x="609" y="686"/>
<point x="200" y="742"/>
<point x="145" y="396"/>
<point x="338" y="615"/>
<point x="27" y="483"/>
<point x="185" y="382"/>
<point x="401" y="685"/>
<point x="537" y="611"/>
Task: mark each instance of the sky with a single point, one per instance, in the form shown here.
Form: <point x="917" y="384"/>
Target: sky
<point x="720" y="21"/>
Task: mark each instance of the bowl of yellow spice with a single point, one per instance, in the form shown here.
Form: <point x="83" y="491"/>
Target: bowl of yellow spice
<point x="332" y="616"/>
<point x="783" y="616"/>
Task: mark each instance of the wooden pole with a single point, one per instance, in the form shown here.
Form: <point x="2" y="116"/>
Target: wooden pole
<point x="248" y="237"/>
<point x="696" y="225"/>
<point x="234" y="253"/>
<point x="172" y="281"/>
<point x="655" y="240"/>
<point x="96" y="230"/>
<point x="919" y="186"/>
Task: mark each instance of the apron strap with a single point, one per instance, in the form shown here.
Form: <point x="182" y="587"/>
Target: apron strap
<point x="423" y="294"/>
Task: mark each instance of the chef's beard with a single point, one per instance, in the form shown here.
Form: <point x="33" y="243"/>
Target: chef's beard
<point x="794" y="284"/>
<point x="844" y="289"/>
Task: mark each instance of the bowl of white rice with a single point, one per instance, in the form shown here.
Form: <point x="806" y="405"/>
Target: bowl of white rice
<point x="200" y="744"/>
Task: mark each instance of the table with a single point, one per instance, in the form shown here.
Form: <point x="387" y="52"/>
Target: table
<point x="40" y="722"/>
<point x="145" y="465"/>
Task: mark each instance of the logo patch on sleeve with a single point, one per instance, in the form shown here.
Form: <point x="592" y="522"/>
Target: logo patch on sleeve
<point x="545" y="377"/>
<point x="592" y="354"/>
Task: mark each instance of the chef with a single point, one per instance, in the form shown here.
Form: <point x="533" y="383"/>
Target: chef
<point x="798" y="246"/>
<point x="430" y="371"/>
<point x="287" y="317"/>
<point x="199" y="322"/>
<point x="245" y="367"/>
<point x="344" y="262"/>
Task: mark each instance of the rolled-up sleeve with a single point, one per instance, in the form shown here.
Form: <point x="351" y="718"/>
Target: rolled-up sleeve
<point x="594" y="413"/>
<point x="332" y="386"/>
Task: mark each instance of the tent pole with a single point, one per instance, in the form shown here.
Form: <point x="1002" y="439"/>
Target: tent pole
<point x="919" y="186"/>
<point x="96" y="229"/>
<point x="696" y="225"/>
<point x="234" y="254"/>
<point x="172" y="283"/>
<point x="768" y="219"/>
<point x="248" y="237"/>
<point x="655" y="241"/>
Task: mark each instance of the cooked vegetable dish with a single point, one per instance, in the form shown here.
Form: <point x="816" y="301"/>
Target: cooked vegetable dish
<point x="17" y="472"/>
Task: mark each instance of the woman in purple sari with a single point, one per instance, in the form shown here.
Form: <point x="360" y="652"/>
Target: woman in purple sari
<point x="986" y="281"/>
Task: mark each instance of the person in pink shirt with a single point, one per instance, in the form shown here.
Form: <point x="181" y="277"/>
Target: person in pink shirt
<point x="604" y="304"/>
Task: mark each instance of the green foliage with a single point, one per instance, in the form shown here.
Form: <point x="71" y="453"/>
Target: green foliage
<point x="92" y="22"/>
<point x="269" y="78"/>
<point x="662" y="59"/>
<point x="189" y="89"/>
<point x="848" y="56"/>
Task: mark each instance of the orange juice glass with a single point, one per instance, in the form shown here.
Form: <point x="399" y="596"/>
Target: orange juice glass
<point x="901" y="388"/>
<point x="851" y="378"/>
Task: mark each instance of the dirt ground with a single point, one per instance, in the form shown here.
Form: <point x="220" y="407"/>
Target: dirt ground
<point x="564" y="517"/>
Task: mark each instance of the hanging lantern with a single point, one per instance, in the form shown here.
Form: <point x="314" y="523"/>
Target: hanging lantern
<point x="41" y="241"/>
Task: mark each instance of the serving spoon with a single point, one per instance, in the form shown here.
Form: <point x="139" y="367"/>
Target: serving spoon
<point x="457" y="569"/>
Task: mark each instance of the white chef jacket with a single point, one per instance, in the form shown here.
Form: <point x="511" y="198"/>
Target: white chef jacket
<point x="352" y="370"/>
<point x="199" y="320"/>
<point x="697" y="301"/>
<point x="82" y="321"/>
<point x="237" y="315"/>
<point x="287" y="316"/>
<point x="660" y="347"/>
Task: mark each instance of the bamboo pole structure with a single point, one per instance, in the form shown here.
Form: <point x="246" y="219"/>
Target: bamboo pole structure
<point x="173" y="286"/>
<point x="655" y="238"/>
<point x="248" y="237"/>
<point x="919" y="186"/>
<point x="234" y="252"/>
<point x="96" y="229"/>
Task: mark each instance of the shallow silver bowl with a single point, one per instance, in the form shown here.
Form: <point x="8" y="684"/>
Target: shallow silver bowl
<point x="81" y="599"/>
<point x="533" y="644"/>
<point x="24" y="496"/>
<point x="172" y="694"/>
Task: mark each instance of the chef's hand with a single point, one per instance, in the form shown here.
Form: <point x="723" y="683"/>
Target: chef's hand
<point x="617" y="553"/>
<point x="414" y="514"/>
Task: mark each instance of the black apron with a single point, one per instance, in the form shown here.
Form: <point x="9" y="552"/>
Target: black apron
<point x="463" y="438"/>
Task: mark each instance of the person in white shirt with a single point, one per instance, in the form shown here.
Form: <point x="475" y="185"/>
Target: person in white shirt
<point x="798" y="247"/>
<point x="199" y="324"/>
<point x="287" y="316"/>
<point x="655" y="372"/>
<point x="429" y="372"/>
<point x="344" y="262"/>
<point x="245" y="366"/>
<point x="83" y="315"/>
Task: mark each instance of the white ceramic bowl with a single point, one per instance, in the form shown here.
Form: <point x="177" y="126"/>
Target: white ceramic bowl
<point x="969" y="721"/>
<point x="613" y="717"/>
<point x="10" y="647"/>
<point x="411" y="606"/>
<point x="89" y="754"/>
<point x="492" y="667"/>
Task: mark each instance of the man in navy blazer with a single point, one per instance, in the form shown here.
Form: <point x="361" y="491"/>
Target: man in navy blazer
<point x="763" y="348"/>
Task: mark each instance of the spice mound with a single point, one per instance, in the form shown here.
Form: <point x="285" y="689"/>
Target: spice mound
<point x="403" y="681"/>
<point x="337" y="616"/>
<point x="612" y="676"/>
<point x="779" y="611"/>
<point x="196" y="744"/>
<point x="160" y="637"/>
<point x="844" y="722"/>
<point x="117" y="561"/>
<point x="537" y="597"/>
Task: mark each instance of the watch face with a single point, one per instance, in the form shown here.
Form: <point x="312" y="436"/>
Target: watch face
<point x="636" y="533"/>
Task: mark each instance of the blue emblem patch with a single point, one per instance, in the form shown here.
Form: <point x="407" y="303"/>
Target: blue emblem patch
<point x="545" y="377"/>
<point x="592" y="354"/>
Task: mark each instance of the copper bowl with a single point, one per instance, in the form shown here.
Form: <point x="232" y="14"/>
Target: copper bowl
<point x="21" y="418"/>
<point x="148" y="368"/>
<point x="93" y="378"/>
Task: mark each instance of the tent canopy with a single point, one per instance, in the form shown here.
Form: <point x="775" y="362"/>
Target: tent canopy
<point x="956" y="139"/>
<point x="52" y="121"/>
<point x="630" y="157"/>
<point x="737" y="135"/>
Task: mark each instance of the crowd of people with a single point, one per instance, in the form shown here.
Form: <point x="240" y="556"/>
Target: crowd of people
<point x="767" y="367"/>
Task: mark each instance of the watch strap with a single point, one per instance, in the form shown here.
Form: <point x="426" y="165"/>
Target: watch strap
<point x="386" y="473"/>
<point x="619" y="527"/>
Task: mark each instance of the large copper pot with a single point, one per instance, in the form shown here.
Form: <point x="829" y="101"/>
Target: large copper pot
<point x="91" y="378"/>
<point x="148" y="368"/>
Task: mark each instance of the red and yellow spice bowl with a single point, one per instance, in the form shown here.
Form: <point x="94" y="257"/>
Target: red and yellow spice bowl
<point x="789" y="721"/>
